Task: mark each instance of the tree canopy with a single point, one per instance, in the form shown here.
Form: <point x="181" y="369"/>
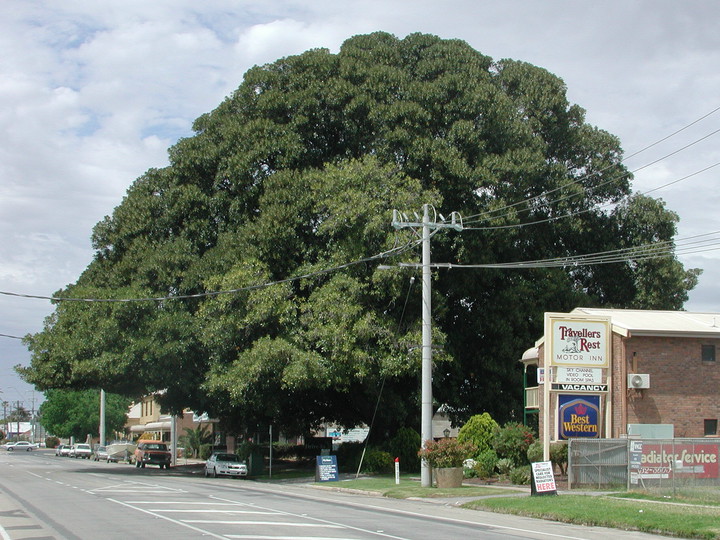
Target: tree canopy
<point x="68" y="413"/>
<point x="293" y="177"/>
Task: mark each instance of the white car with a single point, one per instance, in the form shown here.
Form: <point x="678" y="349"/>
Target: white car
<point x="81" y="450"/>
<point x="21" y="445"/>
<point x="224" y="464"/>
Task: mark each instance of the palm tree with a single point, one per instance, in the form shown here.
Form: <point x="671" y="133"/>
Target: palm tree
<point x="195" y="438"/>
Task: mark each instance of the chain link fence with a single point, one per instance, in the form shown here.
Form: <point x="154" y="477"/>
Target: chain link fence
<point x="659" y="466"/>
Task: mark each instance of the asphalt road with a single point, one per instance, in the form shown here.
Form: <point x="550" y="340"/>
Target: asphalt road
<point x="43" y="496"/>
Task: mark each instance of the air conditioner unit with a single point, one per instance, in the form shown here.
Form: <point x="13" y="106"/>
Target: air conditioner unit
<point x="638" y="380"/>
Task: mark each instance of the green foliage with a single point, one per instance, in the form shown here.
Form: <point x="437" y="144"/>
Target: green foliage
<point x="194" y="439"/>
<point x="505" y="465"/>
<point x="68" y="413"/>
<point x="486" y="463"/>
<point x="535" y="452"/>
<point x="520" y="475"/>
<point x="405" y="445"/>
<point x="348" y="456"/>
<point x="446" y="452"/>
<point x="377" y="461"/>
<point x="245" y="449"/>
<point x="295" y="174"/>
<point x="511" y="441"/>
<point x="51" y="442"/>
<point x="479" y="430"/>
<point x="559" y="455"/>
<point x="205" y="451"/>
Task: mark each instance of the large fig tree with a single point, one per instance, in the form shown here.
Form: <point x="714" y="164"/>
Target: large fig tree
<point x="294" y="176"/>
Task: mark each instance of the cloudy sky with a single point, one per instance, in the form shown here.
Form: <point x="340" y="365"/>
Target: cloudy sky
<point x="92" y="94"/>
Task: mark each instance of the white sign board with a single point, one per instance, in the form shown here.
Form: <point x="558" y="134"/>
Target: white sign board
<point x="543" y="479"/>
<point x="578" y="342"/>
<point x="579" y="375"/>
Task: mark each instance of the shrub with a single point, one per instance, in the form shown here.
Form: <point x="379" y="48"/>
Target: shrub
<point x="377" y="461"/>
<point x="559" y="455"/>
<point x="535" y="452"/>
<point x="504" y="466"/>
<point x="486" y="463"/>
<point x="348" y="455"/>
<point x="469" y="470"/>
<point x="404" y="445"/>
<point x="520" y="475"/>
<point x="512" y="442"/>
<point x="51" y="442"/>
<point x="446" y="453"/>
<point x="244" y="449"/>
<point x="205" y="451"/>
<point x="479" y="430"/>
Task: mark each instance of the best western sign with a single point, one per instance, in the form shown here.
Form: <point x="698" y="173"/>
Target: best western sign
<point x="578" y="416"/>
<point x="578" y="342"/>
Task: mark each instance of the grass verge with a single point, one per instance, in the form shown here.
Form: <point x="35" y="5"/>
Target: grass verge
<point x="409" y="486"/>
<point x="686" y="521"/>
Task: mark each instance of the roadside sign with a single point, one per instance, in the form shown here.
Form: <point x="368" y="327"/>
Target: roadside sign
<point x="326" y="469"/>
<point x="543" y="479"/>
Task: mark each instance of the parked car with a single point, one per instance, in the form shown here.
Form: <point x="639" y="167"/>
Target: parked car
<point x="65" y="450"/>
<point x="100" y="453"/>
<point x="224" y="464"/>
<point x="152" y="453"/>
<point x="22" y="445"/>
<point x="59" y="449"/>
<point x="81" y="450"/>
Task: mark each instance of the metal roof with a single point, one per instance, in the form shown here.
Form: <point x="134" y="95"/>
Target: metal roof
<point x="638" y="322"/>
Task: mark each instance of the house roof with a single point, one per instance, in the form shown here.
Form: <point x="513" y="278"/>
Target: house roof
<point x="637" y="322"/>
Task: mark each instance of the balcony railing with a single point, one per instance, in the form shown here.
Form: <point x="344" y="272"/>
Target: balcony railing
<point x="532" y="398"/>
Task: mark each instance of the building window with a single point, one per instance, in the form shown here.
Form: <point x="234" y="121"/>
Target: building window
<point x="708" y="353"/>
<point x="711" y="427"/>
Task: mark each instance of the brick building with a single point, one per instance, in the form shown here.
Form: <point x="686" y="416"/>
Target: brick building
<point x="661" y="370"/>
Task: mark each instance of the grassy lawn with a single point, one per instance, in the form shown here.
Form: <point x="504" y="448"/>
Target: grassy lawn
<point x="685" y="517"/>
<point x="683" y="520"/>
<point x="410" y="487"/>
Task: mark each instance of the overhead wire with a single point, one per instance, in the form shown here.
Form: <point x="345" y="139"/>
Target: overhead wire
<point x="386" y="254"/>
<point x="495" y="213"/>
<point x="586" y="210"/>
<point x="693" y="244"/>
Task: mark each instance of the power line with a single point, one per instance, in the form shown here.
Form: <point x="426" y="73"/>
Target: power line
<point x="383" y="255"/>
<point x="494" y="214"/>
<point x="695" y="244"/>
<point x="586" y="210"/>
